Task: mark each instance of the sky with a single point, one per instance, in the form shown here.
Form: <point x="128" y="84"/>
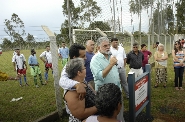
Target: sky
<point x="35" y="13"/>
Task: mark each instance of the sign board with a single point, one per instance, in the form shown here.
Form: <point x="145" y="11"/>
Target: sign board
<point x="141" y="92"/>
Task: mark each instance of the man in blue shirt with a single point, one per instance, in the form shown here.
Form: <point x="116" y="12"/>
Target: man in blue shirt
<point x="34" y="68"/>
<point x="63" y="53"/>
<point x="104" y="70"/>
<point x="89" y="54"/>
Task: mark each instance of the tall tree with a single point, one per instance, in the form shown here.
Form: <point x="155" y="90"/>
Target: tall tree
<point x="7" y="44"/>
<point x="180" y="26"/>
<point x="15" y="29"/>
<point x="30" y="40"/>
<point x="84" y="12"/>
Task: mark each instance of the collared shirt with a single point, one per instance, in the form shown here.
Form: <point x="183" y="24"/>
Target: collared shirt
<point x="47" y="56"/>
<point x="64" y="52"/>
<point x="134" y="60"/>
<point x="97" y="65"/>
<point x="32" y="60"/>
<point x="19" y="61"/>
<point x="65" y="82"/>
<point x="89" y="75"/>
<point x="119" y="54"/>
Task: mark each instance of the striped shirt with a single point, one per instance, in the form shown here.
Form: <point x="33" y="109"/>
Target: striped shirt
<point x="180" y="55"/>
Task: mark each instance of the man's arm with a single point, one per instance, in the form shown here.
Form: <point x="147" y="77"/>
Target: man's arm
<point x="41" y="57"/>
<point x="97" y="70"/>
<point x="69" y="84"/>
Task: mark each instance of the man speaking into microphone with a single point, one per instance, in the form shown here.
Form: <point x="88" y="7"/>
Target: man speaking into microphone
<point x="104" y="70"/>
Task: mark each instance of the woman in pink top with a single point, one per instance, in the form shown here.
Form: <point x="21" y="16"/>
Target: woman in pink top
<point x="147" y="54"/>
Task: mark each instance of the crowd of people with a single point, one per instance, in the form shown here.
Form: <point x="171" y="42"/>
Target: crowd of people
<point x="93" y="77"/>
<point x="103" y="76"/>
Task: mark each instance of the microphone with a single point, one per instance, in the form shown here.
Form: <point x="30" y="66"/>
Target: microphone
<point x="110" y="53"/>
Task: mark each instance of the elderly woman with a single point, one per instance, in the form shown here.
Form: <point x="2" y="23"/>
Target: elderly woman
<point x="76" y="108"/>
<point x="178" y="58"/>
<point x="108" y="103"/>
<point x="161" y="57"/>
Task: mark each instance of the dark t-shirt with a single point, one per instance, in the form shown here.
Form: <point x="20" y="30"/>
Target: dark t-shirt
<point x="89" y="75"/>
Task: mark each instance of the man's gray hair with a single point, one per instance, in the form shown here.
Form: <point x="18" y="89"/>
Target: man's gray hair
<point x="102" y="39"/>
<point x="73" y="66"/>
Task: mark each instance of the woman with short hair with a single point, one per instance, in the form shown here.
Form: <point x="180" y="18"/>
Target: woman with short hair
<point x="76" y="108"/>
<point x="161" y="57"/>
<point x="108" y="102"/>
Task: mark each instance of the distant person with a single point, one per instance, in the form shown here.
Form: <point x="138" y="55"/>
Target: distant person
<point x="77" y="109"/>
<point x="156" y="45"/>
<point x="161" y="57"/>
<point x="64" y="54"/>
<point x="119" y="53"/>
<point x="19" y="64"/>
<point x="147" y="54"/>
<point x="46" y="57"/>
<point x="178" y="58"/>
<point x="135" y="59"/>
<point x="4" y="77"/>
<point x="89" y="54"/>
<point x="34" y="68"/>
<point x="182" y="41"/>
<point x="108" y="103"/>
<point x="103" y="67"/>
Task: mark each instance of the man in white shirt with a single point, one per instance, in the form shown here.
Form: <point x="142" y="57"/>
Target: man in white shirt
<point x="75" y="51"/>
<point x="119" y="53"/>
<point x="47" y="59"/>
<point x="19" y="63"/>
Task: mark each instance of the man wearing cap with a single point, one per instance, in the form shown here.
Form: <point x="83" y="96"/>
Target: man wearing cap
<point x="19" y="63"/>
<point x="147" y="54"/>
<point x="34" y="68"/>
<point x="47" y="59"/>
<point x="63" y="53"/>
<point x="135" y="59"/>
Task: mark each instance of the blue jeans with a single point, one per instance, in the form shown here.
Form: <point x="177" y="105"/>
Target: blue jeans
<point x="178" y="76"/>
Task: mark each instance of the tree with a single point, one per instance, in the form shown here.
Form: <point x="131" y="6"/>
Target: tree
<point x="180" y="17"/>
<point x="167" y="25"/>
<point x="135" y="8"/>
<point x="86" y="11"/>
<point x="30" y="40"/>
<point x="15" y="29"/>
<point x="104" y="26"/>
<point x="79" y="15"/>
<point x="7" y="44"/>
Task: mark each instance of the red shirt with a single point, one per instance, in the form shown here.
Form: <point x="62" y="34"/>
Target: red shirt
<point x="146" y="53"/>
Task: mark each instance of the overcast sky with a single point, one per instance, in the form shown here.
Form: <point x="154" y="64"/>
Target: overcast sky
<point x="49" y="13"/>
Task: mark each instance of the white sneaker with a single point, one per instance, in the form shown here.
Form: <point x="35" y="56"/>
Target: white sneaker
<point x="37" y="86"/>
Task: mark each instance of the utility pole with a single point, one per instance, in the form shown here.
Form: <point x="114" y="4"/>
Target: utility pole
<point x="69" y="22"/>
<point x="114" y="20"/>
<point x="140" y="22"/>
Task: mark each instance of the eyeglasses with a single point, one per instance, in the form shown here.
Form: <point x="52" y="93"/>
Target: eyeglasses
<point x="175" y="44"/>
<point x="135" y="47"/>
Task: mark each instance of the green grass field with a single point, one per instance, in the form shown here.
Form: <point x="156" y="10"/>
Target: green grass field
<point x="167" y="105"/>
<point x="36" y="102"/>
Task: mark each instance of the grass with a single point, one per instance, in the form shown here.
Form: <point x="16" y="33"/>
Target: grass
<point x="36" y="102"/>
<point x="167" y="105"/>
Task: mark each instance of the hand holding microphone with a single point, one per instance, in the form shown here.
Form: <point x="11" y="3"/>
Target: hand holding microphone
<point x="113" y="60"/>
